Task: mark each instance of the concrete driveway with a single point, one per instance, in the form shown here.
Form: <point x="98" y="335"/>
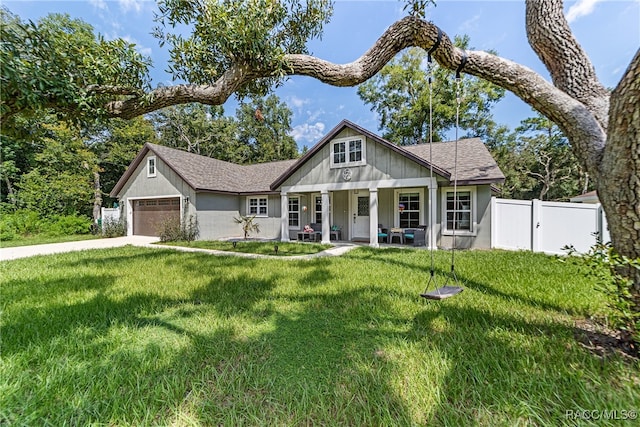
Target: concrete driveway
<point x="56" y="248"/>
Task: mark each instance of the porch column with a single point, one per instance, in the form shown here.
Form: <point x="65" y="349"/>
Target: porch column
<point x="326" y="217"/>
<point x="284" y="217"/>
<point x="433" y="206"/>
<point x="373" y="217"/>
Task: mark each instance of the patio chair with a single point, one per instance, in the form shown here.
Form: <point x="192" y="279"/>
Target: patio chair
<point x="416" y="235"/>
<point x="317" y="231"/>
<point x="383" y="234"/>
<point x="335" y="233"/>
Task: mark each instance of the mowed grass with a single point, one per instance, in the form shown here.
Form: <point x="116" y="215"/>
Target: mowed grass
<point x="255" y="247"/>
<point x="42" y="239"/>
<point x="134" y="336"/>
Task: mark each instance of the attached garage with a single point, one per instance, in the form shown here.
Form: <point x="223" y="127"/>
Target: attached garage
<point x="150" y="214"/>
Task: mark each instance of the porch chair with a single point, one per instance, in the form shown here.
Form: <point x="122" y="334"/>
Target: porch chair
<point x="335" y="233"/>
<point x="383" y="234"/>
<point x="416" y="235"/>
<point x="317" y="231"/>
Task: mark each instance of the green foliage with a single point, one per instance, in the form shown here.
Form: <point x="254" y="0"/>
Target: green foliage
<point x="52" y="63"/>
<point x="614" y="275"/>
<point x="255" y="33"/>
<point x="538" y="162"/>
<point x="67" y="225"/>
<point x="417" y="8"/>
<point x="61" y="181"/>
<point x="263" y="127"/>
<point x="399" y="94"/>
<point x="201" y="129"/>
<point x="173" y="230"/>
<point x="112" y="227"/>
<point x="26" y="222"/>
<point x="248" y="224"/>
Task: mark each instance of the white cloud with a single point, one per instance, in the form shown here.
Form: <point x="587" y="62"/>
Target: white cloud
<point x="296" y="102"/>
<point x="314" y="115"/>
<point x="308" y="133"/>
<point x="131" y="5"/>
<point x="581" y="8"/>
<point x="99" y="4"/>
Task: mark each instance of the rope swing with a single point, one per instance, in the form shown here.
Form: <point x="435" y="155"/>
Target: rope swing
<point x="447" y="290"/>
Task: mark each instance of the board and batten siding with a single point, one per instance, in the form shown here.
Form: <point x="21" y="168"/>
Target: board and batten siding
<point x="482" y="220"/>
<point x="165" y="183"/>
<point x="381" y="164"/>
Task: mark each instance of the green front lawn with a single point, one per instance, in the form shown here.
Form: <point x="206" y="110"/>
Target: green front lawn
<point x="255" y="247"/>
<point x="134" y="336"/>
<point x="42" y="239"/>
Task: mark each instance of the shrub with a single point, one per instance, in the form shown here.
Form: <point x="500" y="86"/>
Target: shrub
<point x="172" y="230"/>
<point x="66" y="225"/>
<point x="112" y="227"/>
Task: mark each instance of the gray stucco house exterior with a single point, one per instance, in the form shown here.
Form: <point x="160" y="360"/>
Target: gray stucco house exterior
<point x="351" y="179"/>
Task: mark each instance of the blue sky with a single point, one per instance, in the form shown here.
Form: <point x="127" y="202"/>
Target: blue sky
<point x="608" y="30"/>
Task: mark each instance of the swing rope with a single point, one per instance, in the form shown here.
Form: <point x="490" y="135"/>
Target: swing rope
<point x="445" y="291"/>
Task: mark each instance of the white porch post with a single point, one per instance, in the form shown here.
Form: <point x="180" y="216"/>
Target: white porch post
<point x="373" y="217"/>
<point x="284" y="217"/>
<point x="433" y="205"/>
<point x="326" y="217"/>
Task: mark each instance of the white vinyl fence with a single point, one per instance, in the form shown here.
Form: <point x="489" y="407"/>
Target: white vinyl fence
<point x="546" y="226"/>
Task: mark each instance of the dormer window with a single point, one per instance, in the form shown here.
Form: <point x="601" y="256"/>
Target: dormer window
<point x="151" y="167"/>
<point x="348" y="152"/>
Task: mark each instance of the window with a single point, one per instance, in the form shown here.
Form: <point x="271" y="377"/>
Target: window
<point x="409" y="207"/>
<point x="459" y="211"/>
<point x="258" y="206"/>
<point x="348" y="152"/>
<point x="151" y="167"/>
<point x="294" y="212"/>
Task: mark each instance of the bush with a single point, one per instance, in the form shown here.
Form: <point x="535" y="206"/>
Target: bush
<point x="171" y="230"/>
<point x="22" y="222"/>
<point x="112" y="227"/>
<point x="66" y="225"/>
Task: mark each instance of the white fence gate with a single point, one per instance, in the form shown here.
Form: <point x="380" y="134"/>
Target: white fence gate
<point x="546" y="226"/>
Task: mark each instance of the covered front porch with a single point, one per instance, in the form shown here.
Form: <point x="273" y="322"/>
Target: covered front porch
<point x="357" y="211"/>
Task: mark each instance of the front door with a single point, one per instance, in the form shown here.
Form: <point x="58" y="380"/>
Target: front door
<point x="360" y="215"/>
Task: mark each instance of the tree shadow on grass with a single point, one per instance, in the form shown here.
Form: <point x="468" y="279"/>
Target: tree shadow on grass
<point x="417" y="263"/>
<point x="503" y="369"/>
<point x="253" y="345"/>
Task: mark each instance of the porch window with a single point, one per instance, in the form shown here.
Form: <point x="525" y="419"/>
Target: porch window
<point x="348" y="152"/>
<point x="409" y="207"/>
<point x="151" y="167"/>
<point x="294" y="212"/>
<point x="258" y="206"/>
<point x="459" y="210"/>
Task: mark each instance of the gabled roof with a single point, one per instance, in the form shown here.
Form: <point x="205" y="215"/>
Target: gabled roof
<point x="475" y="163"/>
<point x="207" y="174"/>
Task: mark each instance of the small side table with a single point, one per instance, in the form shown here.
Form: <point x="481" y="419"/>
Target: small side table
<point x="398" y="234"/>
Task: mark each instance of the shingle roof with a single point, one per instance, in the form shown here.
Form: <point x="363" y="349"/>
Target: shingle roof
<point x="207" y="174"/>
<point x="475" y="163"/>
